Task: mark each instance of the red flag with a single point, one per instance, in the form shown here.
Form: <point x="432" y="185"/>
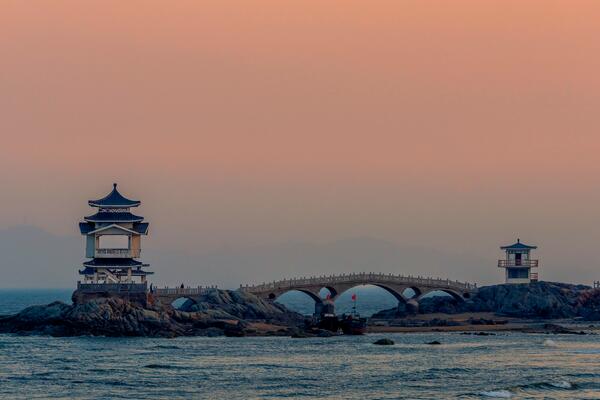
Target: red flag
<point x="353" y="296"/>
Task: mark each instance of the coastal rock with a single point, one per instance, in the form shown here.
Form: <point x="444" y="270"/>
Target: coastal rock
<point x="299" y="335"/>
<point x="384" y="342"/>
<point x="547" y="300"/>
<point x="534" y="300"/>
<point x="589" y="301"/>
<point x="223" y="313"/>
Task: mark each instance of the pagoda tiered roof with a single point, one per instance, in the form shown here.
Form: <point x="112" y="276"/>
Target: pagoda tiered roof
<point x="134" y="272"/>
<point x="104" y="216"/>
<point x="140" y="228"/>
<point x="114" y="200"/>
<point x="114" y="262"/>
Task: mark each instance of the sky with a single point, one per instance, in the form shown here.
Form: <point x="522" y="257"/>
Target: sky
<point x="272" y="130"/>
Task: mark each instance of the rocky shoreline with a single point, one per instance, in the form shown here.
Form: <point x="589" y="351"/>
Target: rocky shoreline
<point x="541" y="300"/>
<point x="234" y="313"/>
<point x="221" y="312"/>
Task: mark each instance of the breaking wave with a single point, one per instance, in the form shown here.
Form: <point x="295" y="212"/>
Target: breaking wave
<point x="500" y="394"/>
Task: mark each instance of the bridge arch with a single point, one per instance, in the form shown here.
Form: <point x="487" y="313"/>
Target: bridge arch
<point x="393" y="300"/>
<point x="333" y="293"/>
<point x="276" y="294"/>
<point x="416" y="292"/>
<point x="455" y="294"/>
<point x="396" y="285"/>
<point x="181" y="301"/>
<point x="388" y="288"/>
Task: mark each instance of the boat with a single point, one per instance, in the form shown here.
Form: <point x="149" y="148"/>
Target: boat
<point x="348" y="324"/>
<point x="353" y="324"/>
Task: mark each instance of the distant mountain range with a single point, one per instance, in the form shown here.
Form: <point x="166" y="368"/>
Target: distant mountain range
<point x="32" y="257"/>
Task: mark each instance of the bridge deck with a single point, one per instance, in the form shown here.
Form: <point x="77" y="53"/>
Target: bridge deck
<point x="360" y="278"/>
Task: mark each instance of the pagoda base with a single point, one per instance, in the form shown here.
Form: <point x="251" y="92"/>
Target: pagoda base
<point x="134" y="292"/>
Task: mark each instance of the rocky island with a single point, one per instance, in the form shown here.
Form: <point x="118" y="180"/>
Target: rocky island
<point x="219" y="312"/>
<point x="522" y="307"/>
<point x="235" y="313"/>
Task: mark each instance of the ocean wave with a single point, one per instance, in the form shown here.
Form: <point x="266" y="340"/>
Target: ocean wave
<point x="500" y="394"/>
<point x="587" y="351"/>
<point x="558" y="384"/>
<point x="162" y="366"/>
<point x="167" y="347"/>
<point x="562" y="384"/>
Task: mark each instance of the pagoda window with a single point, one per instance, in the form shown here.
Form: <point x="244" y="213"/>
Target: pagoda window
<point x="113" y="242"/>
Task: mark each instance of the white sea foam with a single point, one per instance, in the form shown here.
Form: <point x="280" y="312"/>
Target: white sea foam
<point x="550" y="343"/>
<point x="561" y="384"/>
<point x="500" y="394"/>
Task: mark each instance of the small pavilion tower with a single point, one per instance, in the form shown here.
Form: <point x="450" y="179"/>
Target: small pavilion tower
<point x="113" y="242"/>
<point x="518" y="263"/>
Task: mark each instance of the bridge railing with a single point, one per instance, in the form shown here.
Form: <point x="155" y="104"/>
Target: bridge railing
<point x="366" y="277"/>
<point x="186" y="291"/>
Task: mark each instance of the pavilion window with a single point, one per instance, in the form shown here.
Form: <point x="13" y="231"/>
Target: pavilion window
<point x="518" y="273"/>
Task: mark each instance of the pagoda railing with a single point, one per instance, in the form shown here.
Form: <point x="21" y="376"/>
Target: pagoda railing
<point x="117" y="253"/>
<point x="515" y="263"/>
<point x="112" y="287"/>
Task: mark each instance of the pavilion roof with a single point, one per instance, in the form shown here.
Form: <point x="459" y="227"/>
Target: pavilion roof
<point x="114" y="199"/>
<point x="518" y="246"/>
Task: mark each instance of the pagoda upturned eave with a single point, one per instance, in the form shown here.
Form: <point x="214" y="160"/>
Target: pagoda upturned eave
<point x="134" y="272"/>
<point x="106" y="217"/>
<point x="114" y="200"/>
<point x="114" y="262"/>
<point x="89" y="228"/>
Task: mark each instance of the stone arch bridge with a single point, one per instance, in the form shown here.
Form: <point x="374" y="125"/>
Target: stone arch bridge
<point x="337" y="284"/>
<point x="168" y="295"/>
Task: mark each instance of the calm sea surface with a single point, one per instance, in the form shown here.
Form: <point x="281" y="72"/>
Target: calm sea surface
<point x="467" y="367"/>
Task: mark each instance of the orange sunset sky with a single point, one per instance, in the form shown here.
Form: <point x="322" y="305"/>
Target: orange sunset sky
<point x="435" y="128"/>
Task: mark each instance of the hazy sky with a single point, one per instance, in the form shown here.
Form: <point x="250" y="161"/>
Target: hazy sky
<point x="452" y="125"/>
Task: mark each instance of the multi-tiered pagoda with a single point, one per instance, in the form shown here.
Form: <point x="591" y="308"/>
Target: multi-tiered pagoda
<point x="113" y="242"/>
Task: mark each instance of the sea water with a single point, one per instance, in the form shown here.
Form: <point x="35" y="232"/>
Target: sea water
<point x="507" y="365"/>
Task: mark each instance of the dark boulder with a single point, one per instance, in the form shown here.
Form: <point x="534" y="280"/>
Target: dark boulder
<point x="384" y="342"/>
<point x="241" y="305"/>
